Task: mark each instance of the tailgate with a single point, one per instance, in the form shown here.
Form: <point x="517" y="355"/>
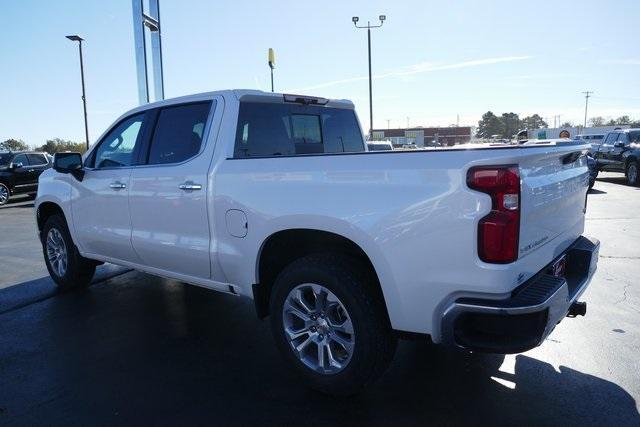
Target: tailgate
<point x="553" y="195"/>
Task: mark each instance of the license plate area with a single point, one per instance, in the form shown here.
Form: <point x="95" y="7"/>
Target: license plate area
<point x="559" y="267"/>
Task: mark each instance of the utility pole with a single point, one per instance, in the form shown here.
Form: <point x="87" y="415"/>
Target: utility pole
<point x="587" y="94"/>
<point x="355" y="20"/>
<point x="458" y="120"/>
<point x="388" y="123"/>
<point x="76" y="38"/>
<point x="407" y="122"/>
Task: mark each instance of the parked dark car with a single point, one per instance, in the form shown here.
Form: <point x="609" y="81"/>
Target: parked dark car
<point x="595" y="141"/>
<point x="620" y="152"/>
<point x="19" y="172"/>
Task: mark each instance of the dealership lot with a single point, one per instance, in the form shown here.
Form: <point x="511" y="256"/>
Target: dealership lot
<point x="133" y="348"/>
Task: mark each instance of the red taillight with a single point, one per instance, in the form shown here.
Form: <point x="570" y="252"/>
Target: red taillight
<point x="498" y="232"/>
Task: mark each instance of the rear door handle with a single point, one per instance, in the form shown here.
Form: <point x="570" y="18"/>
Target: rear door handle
<point x="189" y="186"/>
<point x="117" y="185"/>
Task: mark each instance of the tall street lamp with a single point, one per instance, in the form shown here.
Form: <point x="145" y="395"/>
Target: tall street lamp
<point x="272" y="64"/>
<point x="79" y="39"/>
<point x="355" y="20"/>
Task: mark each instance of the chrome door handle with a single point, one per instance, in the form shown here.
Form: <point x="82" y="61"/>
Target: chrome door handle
<point x="189" y="186"/>
<point x="117" y="185"/>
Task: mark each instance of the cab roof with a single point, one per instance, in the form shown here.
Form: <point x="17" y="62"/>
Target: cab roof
<point x="240" y="94"/>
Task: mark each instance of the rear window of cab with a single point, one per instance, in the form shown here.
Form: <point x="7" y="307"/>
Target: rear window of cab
<point x="268" y="130"/>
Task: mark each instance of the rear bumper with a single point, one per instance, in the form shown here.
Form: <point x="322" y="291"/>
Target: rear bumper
<point x="528" y="316"/>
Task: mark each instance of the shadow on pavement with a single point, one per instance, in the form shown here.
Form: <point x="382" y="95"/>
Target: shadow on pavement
<point x="596" y="191"/>
<point x="613" y="179"/>
<point x="20" y="201"/>
<point x="32" y="291"/>
<point x="17" y="204"/>
<point x="138" y="349"/>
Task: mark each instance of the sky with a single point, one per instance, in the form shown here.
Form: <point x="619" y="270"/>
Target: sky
<point x="432" y="60"/>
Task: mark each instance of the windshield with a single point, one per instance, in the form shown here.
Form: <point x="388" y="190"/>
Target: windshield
<point x="634" y="137"/>
<point x="5" y="159"/>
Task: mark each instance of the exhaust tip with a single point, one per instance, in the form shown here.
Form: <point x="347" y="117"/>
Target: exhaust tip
<point x="577" y="309"/>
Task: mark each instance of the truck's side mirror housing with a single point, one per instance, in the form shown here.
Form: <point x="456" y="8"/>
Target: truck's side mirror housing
<point x="69" y="163"/>
<point x="15" y="165"/>
<point x="618" y="144"/>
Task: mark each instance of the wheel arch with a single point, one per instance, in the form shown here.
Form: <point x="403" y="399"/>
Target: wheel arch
<point x="284" y="246"/>
<point x="45" y="209"/>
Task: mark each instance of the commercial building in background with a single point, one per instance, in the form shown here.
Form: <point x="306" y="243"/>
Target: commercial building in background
<point x="551" y="133"/>
<point x="424" y="136"/>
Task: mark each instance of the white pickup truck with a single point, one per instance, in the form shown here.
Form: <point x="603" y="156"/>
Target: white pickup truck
<point x="276" y="198"/>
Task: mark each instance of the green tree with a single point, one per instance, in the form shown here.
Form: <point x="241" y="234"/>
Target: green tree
<point x="510" y="124"/>
<point x="57" y="145"/>
<point x="533" y="122"/>
<point x="13" y="145"/>
<point x="489" y="125"/>
<point x="596" y="121"/>
<point x="566" y="125"/>
<point x="623" y="120"/>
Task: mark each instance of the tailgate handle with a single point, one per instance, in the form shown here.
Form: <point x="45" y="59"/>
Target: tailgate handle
<point x="571" y="157"/>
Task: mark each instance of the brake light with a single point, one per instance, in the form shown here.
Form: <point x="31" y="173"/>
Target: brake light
<point x="499" y="231"/>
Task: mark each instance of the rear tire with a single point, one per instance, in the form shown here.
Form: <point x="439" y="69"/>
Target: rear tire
<point x="66" y="266"/>
<point x="349" y="323"/>
<point x="632" y="172"/>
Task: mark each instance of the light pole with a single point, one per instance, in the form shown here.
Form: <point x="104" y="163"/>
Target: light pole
<point x="587" y="94"/>
<point x="355" y="20"/>
<point x="272" y="64"/>
<point x="79" y="39"/>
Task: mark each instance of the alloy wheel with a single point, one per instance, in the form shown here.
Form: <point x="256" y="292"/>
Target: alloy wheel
<point x="4" y="194"/>
<point x="57" y="252"/>
<point x="318" y="328"/>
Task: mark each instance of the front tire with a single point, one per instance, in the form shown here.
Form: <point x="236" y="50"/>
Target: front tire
<point x="330" y="325"/>
<point x="632" y="173"/>
<point x="66" y="266"/>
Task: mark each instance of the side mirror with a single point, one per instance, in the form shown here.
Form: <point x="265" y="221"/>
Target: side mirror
<point x="618" y="144"/>
<point x="16" y="165"/>
<point x="69" y="163"/>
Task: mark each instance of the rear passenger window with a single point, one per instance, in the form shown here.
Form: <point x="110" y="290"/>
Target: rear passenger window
<point x="22" y="159"/>
<point x="37" y="159"/>
<point x="178" y="133"/>
<point x="266" y="130"/>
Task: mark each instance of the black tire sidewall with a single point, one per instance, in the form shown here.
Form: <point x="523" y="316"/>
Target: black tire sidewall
<point x="637" y="181"/>
<point x="369" y="322"/>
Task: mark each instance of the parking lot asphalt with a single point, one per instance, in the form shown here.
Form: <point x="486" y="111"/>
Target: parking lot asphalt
<point x="133" y="348"/>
